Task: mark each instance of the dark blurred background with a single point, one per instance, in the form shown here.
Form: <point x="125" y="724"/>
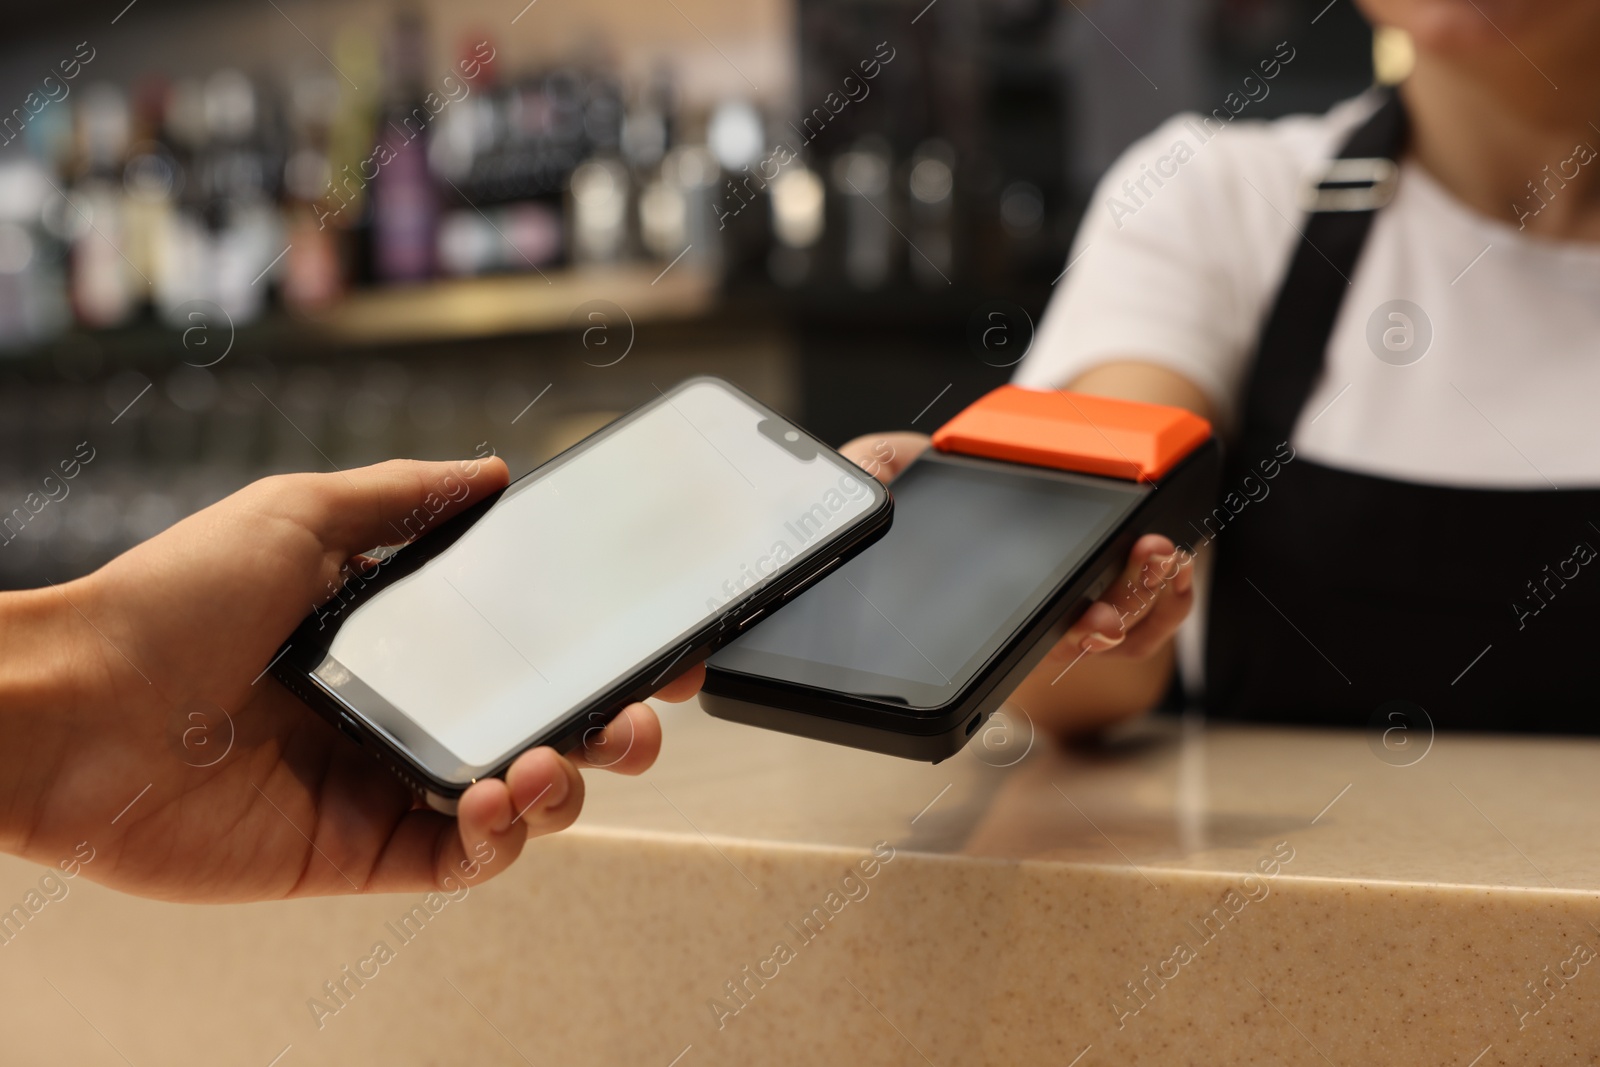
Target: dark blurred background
<point x="248" y="236"/>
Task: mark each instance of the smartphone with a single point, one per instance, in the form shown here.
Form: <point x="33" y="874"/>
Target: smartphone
<point x="536" y="615"/>
<point x="909" y="647"/>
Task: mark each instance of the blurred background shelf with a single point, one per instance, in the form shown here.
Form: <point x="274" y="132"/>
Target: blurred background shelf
<point x="549" y="301"/>
<point x="239" y="238"/>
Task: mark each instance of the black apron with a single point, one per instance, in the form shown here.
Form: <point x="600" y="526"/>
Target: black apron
<point x="1337" y="594"/>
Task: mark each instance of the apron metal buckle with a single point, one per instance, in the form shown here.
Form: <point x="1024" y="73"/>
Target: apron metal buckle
<point x="1351" y="185"/>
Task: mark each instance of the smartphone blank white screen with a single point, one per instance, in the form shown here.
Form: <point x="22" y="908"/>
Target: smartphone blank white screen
<point x="584" y="571"/>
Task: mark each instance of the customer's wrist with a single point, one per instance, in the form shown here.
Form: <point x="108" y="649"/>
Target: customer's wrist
<point x="46" y="651"/>
<point x="46" y="672"/>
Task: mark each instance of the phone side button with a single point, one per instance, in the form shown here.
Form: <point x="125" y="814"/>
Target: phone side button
<point x="1101" y="584"/>
<point x="348" y="727"/>
<point x="809" y="582"/>
<point x="749" y="619"/>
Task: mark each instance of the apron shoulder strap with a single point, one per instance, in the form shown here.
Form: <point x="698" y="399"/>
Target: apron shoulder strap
<point x="1340" y="203"/>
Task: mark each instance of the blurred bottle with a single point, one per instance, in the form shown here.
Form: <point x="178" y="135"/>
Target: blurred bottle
<point x="465" y="137"/>
<point x="405" y="205"/>
<point x="150" y="181"/>
<point x="648" y="126"/>
<point x="105" y="285"/>
<point x="544" y="144"/>
<point x="312" y="271"/>
<point x="32" y="277"/>
<point x="931" y="183"/>
<point x="599" y="187"/>
<point x="798" y="214"/>
<point x="677" y="213"/>
<point x="599" y="211"/>
<point x="468" y="128"/>
<point x="861" y="178"/>
<point x="648" y="133"/>
<point x="34" y="236"/>
<point x="603" y="112"/>
<point x="1022" y="209"/>
<point x="347" y="204"/>
<point x="737" y="138"/>
<point x="737" y="141"/>
<point x="183" y="255"/>
<point x="207" y="192"/>
<point x="528" y="140"/>
<point x="241" y="175"/>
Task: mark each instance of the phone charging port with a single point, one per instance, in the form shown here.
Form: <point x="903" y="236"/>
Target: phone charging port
<point x="973" y="725"/>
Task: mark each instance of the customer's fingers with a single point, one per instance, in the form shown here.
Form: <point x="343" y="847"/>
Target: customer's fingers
<point x="546" y="791"/>
<point x="427" y="850"/>
<point x="486" y="828"/>
<point x="541" y="794"/>
<point x="628" y="744"/>
<point x="684" y="686"/>
<point x="385" y="504"/>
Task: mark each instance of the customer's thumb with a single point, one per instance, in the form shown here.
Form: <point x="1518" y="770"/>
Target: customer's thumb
<point x="394" y="502"/>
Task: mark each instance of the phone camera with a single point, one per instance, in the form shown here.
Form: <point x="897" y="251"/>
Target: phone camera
<point x="788" y="438"/>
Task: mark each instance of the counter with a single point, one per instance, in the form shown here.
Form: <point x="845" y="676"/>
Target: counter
<point x="1182" y="893"/>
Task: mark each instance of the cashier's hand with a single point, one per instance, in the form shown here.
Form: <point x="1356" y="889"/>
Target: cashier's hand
<point x="1136" y="617"/>
<point x="149" y="729"/>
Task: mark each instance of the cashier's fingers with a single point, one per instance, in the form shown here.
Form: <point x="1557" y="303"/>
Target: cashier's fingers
<point x="1141" y="609"/>
<point x="1163" y="615"/>
<point x="884" y="455"/>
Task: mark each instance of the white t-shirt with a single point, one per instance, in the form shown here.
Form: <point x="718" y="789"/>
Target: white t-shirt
<point x="1183" y="273"/>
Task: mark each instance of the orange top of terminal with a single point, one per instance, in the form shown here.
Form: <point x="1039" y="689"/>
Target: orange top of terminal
<point x="1074" y="432"/>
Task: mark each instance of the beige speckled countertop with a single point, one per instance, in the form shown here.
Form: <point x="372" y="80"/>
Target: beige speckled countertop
<point x="1184" y="894"/>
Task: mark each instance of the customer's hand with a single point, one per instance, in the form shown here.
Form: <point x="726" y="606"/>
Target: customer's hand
<point x="1129" y="629"/>
<point x="115" y="684"/>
